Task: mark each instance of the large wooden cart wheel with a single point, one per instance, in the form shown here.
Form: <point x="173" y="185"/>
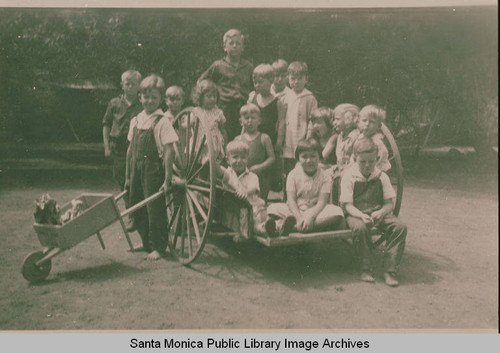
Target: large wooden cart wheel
<point x="190" y="206"/>
<point x="396" y="171"/>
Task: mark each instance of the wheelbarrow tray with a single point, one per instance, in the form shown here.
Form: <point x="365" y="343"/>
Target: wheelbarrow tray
<point x="99" y="211"/>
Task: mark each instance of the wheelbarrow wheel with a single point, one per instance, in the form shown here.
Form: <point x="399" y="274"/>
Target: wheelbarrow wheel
<point x="191" y="205"/>
<point x="33" y="273"/>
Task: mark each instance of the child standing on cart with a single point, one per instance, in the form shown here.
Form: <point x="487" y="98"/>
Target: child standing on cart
<point x="149" y="166"/>
<point x="367" y="197"/>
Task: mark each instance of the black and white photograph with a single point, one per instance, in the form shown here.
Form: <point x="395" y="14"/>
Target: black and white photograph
<point x="234" y="168"/>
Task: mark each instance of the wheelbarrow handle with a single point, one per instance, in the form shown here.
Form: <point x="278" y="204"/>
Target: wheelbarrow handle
<point x="143" y="203"/>
<point x="120" y="195"/>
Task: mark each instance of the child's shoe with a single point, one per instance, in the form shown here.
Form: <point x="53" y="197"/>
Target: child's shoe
<point x="287" y="226"/>
<point x="367" y="277"/>
<point x="270" y="228"/>
<point x="390" y="280"/>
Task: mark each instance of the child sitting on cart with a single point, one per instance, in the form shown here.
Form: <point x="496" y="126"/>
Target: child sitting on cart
<point x="245" y="184"/>
<point x="367" y="197"/>
<point x="149" y="166"/>
<point x="307" y="188"/>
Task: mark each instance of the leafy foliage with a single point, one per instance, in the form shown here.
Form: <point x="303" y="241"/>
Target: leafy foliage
<point x="420" y="64"/>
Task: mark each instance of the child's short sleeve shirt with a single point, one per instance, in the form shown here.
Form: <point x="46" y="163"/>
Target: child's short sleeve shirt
<point x="163" y="131"/>
<point x="307" y="188"/>
<point x="119" y="114"/>
<point x="352" y="176"/>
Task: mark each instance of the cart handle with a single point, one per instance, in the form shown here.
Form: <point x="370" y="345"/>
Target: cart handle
<point x="142" y="203"/>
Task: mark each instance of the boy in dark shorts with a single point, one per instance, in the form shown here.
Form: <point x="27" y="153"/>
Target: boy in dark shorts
<point x="367" y="196"/>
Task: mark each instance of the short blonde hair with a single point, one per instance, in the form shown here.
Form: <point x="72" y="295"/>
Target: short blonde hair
<point x="280" y="65"/>
<point x="175" y="91"/>
<point x="152" y="82"/>
<point x="364" y="145"/>
<point x="233" y="33"/>
<point x="237" y="146"/>
<point x="249" y="108"/>
<point x="342" y="109"/>
<point x="263" y="70"/>
<point x="373" y="111"/>
<point x="298" y="68"/>
<point x="135" y="75"/>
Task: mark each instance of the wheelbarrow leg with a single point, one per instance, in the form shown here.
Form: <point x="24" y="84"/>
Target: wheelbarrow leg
<point x="126" y="233"/>
<point x="100" y="240"/>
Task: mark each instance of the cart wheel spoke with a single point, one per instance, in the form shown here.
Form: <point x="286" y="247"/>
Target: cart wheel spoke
<point x="199" y="188"/>
<point x="197" y="155"/>
<point x="193" y="198"/>
<point x="194" y="155"/>
<point x="174" y="229"/>
<point x="179" y="157"/>
<point x="193" y="219"/>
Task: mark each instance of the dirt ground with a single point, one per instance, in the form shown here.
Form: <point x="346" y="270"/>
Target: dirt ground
<point x="449" y="274"/>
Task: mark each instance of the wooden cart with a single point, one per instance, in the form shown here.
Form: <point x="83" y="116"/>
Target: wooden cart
<point x="197" y="194"/>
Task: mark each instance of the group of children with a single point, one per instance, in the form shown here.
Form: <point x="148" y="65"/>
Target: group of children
<point x="330" y="157"/>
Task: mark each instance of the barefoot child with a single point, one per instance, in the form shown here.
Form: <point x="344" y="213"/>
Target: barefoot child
<point x="233" y="77"/>
<point x="116" y="124"/>
<point x="174" y="96"/>
<point x="308" y="189"/>
<point x="149" y="166"/>
<point x="261" y="153"/>
<point x="367" y="197"/>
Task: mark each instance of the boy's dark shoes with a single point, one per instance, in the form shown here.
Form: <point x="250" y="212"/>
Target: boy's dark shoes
<point x="288" y="225"/>
<point x="367" y="277"/>
<point x="390" y="280"/>
<point x="270" y="228"/>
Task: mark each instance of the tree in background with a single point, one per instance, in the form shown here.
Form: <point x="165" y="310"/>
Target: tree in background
<point x="427" y="67"/>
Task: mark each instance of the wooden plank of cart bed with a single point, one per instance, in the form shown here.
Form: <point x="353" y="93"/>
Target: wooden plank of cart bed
<point x="297" y="238"/>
